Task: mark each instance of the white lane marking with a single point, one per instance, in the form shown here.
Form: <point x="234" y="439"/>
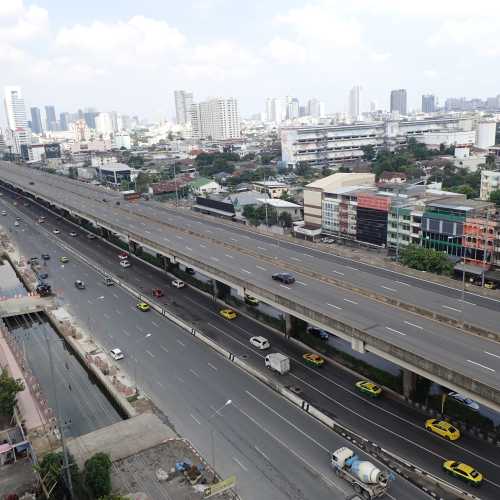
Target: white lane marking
<point x="287" y="287"/>
<point x="202" y="245"/>
<point x="140" y="328"/>
<point x="150" y="353"/>
<point x="452" y="309"/>
<point x="155" y="324"/>
<point x="212" y="366"/>
<point x="482" y="366"/>
<point x="466" y="302"/>
<point x="128" y="334"/>
<point x="166" y="239"/>
<point x="194" y="373"/>
<point x="189" y="249"/>
<point x="101" y="297"/>
<point x="215" y="259"/>
<point x="118" y="311"/>
<point x="245" y="271"/>
<point x="395" y="331"/>
<point x="89" y="301"/>
<point x="181" y="343"/>
<point x="229" y="256"/>
<point x="388" y="288"/>
<point x="208" y="231"/>
<point x="160" y="384"/>
<point x="195" y="419"/>
<point x="179" y="378"/>
<point x="240" y="464"/>
<point x="352" y="268"/>
<point x="261" y="268"/>
<point x="491" y="354"/>
<point x="233" y="239"/>
<point x="296" y="259"/>
<point x="351" y="301"/>
<point x="147" y="232"/>
<point x="179" y="237"/>
<point x="107" y="316"/>
<point x="164" y="348"/>
<point x="402" y="283"/>
<point x="414" y="325"/>
<point x="338" y="272"/>
<point x="333" y="305"/>
<point x="115" y="296"/>
<point x="262" y="248"/>
<point x="262" y="453"/>
<point x="302" y="283"/>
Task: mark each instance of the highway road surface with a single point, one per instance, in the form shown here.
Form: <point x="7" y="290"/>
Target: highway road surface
<point x="276" y="450"/>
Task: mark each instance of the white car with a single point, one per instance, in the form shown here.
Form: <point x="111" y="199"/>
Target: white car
<point x="116" y="354"/>
<point x="464" y="400"/>
<point x="16" y="223"/>
<point x="260" y="342"/>
<point x="124" y="263"/>
<point x="4" y="212"/>
<point x="178" y="284"/>
<point x="73" y="234"/>
<point x="56" y="231"/>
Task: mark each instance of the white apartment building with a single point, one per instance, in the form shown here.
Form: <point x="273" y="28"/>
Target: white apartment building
<point x="122" y="140"/>
<point x="354" y="99"/>
<point x="104" y="124"/>
<point x="17" y="122"/>
<point x="183" y="103"/>
<point x="490" y="181"/>
<point x="330" y="145"/>
<point x="217" y="119"/>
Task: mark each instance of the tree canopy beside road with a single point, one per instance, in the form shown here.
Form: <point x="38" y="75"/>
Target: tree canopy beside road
<point x="426" y="259"/>
<point x="9" y="387"/>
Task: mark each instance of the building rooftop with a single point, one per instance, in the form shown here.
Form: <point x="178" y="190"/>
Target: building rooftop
<point x="335" y="178"/>
<point x="201" y="181"/>
<point x="114" y="167"/>
<point x="270" y="184"/>
<point x="277" y="203"/>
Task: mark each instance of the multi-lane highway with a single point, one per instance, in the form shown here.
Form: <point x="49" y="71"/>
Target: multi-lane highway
<point x="252" y="261"/>
<point x="277" y="451"/>
<point x="392" y="425"/>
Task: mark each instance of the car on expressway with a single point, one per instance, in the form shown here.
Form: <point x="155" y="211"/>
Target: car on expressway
<point x="55" y="231"/>
<point x="116" y="354"/>
<point x="317" y="332"/>
<point x="80" y="285"/>
<point x="442" y="428"/>
<point x="123" y="255"/>
<point x="108" y="281"/>
<point x="463" y="471"/>
<point x="125" y="263"/>
<point x="251" y="301"/>
<point x="143" y="306"/>
<point x="157" y="292"/>
<point x="4" y="212"/>
<point x="63" y="259"/>
<point x="286" y="278"/>
<point x="460" y="398"/>
<point x="16" y="223"/>
<point x="260" y="342"/>
<point x="490" y="285"/>
<point x="228" y="313"/>
<point x="190" y="270"/>
<point x="91" y="236"/>
<point x="178" y="284"/>
<point x="73" y="234"/>
<point x="312" y="359"/>
<point x="367" y="387"/>
<point x="45" y="256"/>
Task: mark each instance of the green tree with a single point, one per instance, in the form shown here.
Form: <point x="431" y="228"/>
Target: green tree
<point x="344" y="169"/>
<point x="51" y="470"/>
<point x="495" y="197"/>
<point x="490" y="161"/>
<point x="73" y="173"/>
<point x="97" y="475"/>
<point x="142" y="182"/>
<point x="426" y="259"/>
<point x="325" y="171"/>
<point x="285" y="219"/>
<point x="465" y="189"/>
<point x="9" y="387"/>
<point x="368" y="152"/>
<point x="303" y="169"/>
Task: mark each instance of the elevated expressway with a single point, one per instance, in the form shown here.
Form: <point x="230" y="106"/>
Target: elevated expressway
<point x="407" y="332"/>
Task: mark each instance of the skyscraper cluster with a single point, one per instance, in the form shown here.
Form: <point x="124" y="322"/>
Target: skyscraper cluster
<point x="18" y="134"/>
<point x="279" y="109"/>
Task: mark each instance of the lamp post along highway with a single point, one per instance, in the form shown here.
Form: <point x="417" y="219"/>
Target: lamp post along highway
<point x="212" y="437"/>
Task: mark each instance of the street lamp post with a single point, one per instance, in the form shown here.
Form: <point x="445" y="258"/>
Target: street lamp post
<point x="212" y="437"/>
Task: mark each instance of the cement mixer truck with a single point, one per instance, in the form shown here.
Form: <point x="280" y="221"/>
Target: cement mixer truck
<point x="366" y="479"/>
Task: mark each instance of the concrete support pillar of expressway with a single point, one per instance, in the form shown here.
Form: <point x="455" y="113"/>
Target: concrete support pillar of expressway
<point x="287" y="324"/>
<point x="103" y="232"/>
<point x="409" y="383"/>
<point x="165" y="261"/>
<point x="134" y="247"/>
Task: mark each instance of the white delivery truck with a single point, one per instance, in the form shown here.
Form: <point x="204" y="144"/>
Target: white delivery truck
<point x="278" y="362"/>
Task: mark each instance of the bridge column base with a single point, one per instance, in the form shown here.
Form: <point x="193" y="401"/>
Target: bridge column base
<point x="409" y="383"/>
<point x="134" y="247"/>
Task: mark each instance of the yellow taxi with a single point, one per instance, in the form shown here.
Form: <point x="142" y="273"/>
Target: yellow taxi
<point x="490" y="285"/>
<point x="442" y="428"/>
<point x="143" y="306"/>
<point x="228" y="313"/>
<point x="367" y="387"/>
<point x="63" y="259"/>
<point x="251" y="301"/>
<point x="463" y="471"/>
<point x="312" y="359"/>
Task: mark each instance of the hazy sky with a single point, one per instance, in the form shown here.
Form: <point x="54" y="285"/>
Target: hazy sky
<point x="130" y="55"/>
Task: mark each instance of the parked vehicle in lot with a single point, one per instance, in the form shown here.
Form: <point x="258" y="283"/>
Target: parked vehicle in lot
<point x="116" y="354"/>
<point x="108" y="281"/>
<point x="123" y="255"/>
<point x="124" y="263"/>
<point x="228" y="313"/>
<point x="41" y="220"/>
<point x="442" y="428"/>
<point x="63" y="259"/>
<point x="45" y="256"/>
<point x="366" y="479"/>
<point x="317" y="332"/>
<point x="286" y="278"/>
<point x="260" y="342"/>
<point x="178" y="284"/>
<point x="312" y="359"/>
<point x="470" y="403"/>
<point x="143" y="306"/>
<point x="278" y="362"/>
<point x="157" y="292"/>
<point x="367" y="387"/>
<point x="463" y="471"/>
<point x="80" y="284"/>
<point x="251" y="301"/>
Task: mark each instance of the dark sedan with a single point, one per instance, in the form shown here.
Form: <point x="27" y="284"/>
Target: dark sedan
<point x="287" y="278"/>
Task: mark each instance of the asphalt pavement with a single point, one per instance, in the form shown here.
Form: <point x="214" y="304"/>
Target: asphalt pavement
<point x="475" y="357"/>
<point x="393" y="426"/>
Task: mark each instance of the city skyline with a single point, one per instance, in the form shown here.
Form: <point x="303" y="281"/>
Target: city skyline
<point x="109" y="60"/>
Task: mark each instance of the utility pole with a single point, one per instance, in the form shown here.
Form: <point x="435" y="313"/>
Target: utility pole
<point x="485" y="246"/>
<point x="67" y="472"/>
<point x="176" y="190"/>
